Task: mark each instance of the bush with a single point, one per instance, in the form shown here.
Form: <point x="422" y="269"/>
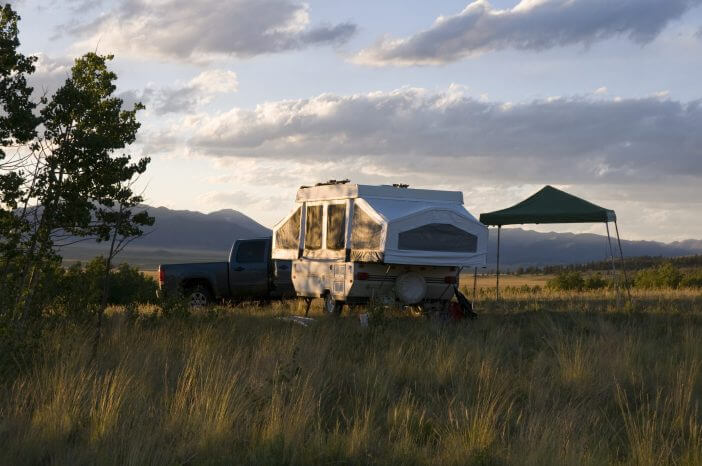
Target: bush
<point x="79" y="288"/>
<point x="596" y="282"/>
<point x="692" y="280"/>
<point x="567" y="281"/>
<point x="663" y="276"/>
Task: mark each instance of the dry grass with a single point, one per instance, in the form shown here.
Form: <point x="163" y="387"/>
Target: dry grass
<point x="571" y="380"/>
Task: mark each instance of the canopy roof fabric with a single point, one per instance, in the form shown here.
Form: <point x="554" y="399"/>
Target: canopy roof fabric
<point x="549" y="205"/>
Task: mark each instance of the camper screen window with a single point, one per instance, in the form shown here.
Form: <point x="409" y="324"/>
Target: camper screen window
<point x="365" y="231"/>
<point x="313" y="227"/>
<point x="437" y="237"/>
<point x="336" y="224"/>
<point x="288" y="236"/>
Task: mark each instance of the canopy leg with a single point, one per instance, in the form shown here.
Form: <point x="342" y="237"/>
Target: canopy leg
<point x="475" y="283"/>
<point x="621" y="256"/>
<point x="497" y="285"/>
<point x="611" y="255"/>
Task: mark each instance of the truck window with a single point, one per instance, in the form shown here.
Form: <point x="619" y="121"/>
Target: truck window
<point x="336" y="226"/>
<point x="288" y="236"/>
<point x="365" y="232"/>
<point x="251" y="251"/>
<point x="313" y="227"/>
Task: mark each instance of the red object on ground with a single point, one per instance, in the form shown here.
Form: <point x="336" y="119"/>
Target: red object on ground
<point x="456" y="311"/>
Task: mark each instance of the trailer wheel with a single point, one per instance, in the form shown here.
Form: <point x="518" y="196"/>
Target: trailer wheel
<point x="332" y="306"/>
<point x="198" y="296"/>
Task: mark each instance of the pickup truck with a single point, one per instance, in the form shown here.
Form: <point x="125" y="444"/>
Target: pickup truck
<point x="250" y="273"/>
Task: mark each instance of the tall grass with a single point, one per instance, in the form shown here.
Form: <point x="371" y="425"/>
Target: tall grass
<point x="562" y="383"/>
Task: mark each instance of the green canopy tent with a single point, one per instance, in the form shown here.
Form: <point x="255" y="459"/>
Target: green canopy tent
<point x="551" y="205"/>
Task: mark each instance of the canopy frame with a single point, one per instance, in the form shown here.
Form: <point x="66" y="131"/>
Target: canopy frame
<point x="550" y="205"/>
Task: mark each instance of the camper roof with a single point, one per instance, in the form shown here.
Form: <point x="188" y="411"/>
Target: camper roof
<point x="350" y="191"/>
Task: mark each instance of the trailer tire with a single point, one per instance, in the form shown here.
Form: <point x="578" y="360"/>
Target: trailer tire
<point x="332" y="306"/>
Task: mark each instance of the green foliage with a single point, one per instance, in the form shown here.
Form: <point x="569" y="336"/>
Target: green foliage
<point x="692" y="280"/>
<point x="574" y="281"/>
<point x="567" y="281"/>
<point x="630" y="263"/>
<point x="68" y="176"/>
<point x="79" y="288"/>
<point x="17" y="120"/>
<point x="596" y="282"/>
<point x="663" y="276"/>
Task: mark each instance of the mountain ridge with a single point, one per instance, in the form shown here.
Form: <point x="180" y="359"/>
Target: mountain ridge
<point x="185" y="235"/>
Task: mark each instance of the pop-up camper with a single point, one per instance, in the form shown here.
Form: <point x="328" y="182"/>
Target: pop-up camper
<point x="350" y="243"/>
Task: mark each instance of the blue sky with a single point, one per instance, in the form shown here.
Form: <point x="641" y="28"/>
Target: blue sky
<point x="249" y="99"/>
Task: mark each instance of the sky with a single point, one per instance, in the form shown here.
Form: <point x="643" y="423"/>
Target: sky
<point x="246" y="100"/>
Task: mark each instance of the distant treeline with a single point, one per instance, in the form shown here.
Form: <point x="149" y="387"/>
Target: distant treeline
<point x="631" y="263"/>
<point x="663" y="276"/>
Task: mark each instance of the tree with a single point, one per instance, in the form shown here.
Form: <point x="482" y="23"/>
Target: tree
<point x="18" y="125"/>
<point x="66" y="178"/>
<point x="117" y="222"/>
<point x="83" y="125"/>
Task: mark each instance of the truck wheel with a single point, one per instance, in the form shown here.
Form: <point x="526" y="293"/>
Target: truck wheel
<point x="332" y="306"/>
<point x="198" y="296"/>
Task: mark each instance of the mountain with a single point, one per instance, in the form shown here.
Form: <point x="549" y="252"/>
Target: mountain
<point x="186" y="236"/>
<point x="178" y="236"/>
<point x="195" y="230"/>
<point x="520" y="247"/>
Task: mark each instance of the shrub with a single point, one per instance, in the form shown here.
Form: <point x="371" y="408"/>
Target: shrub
<point x="567" y="281"/>
<point x="692" y="280"/>
<point x="79" y="288"/>
<point x="663" y="276"/>
<point x="596" y="282"/>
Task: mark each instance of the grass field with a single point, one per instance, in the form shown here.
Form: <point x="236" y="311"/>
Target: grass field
<point x="553" y="378"/>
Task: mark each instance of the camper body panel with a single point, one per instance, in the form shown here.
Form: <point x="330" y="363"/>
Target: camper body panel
<point x="359" y="282"/>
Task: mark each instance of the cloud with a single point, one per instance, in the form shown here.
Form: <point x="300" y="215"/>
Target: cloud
<point x="197" y="92"/>
<point x="183" y="30"/>
<point x="410" y="131"/>
<point x="530" y="25"/>
<point x="642" y="157"/>
<point x="184" y="98"/>
<point x="49" y="74"/>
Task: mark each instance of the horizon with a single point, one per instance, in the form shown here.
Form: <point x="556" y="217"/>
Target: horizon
<point x="249" y="99"/>
<point x="524" y="227"/>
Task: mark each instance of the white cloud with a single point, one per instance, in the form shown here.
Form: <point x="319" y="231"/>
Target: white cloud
<point x="626" y="154"/>
<point x="216" y="81"/>
<point x="183" y="30"/>
<point x="49" y="74"/>
<point x="184" y="97"/>
<point x="530" y="25"/>
<point x="414" y="130"/>
<point x="600" y="91"/>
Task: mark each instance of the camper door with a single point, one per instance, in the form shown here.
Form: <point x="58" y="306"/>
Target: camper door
<point x="326" y="229"/>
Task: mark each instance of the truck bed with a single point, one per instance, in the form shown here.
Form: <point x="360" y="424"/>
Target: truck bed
<point x="215" y="273"/>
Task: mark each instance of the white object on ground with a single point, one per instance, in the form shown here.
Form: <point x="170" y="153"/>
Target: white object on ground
<point x="304" y="321"/>
<point x="364" y="320"/>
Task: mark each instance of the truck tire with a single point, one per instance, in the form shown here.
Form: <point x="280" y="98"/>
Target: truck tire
<point x="332" y="306"/>
<point x="198" y="296"/>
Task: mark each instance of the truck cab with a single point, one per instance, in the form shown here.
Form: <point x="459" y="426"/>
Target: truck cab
<point x="249" y="273"/>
